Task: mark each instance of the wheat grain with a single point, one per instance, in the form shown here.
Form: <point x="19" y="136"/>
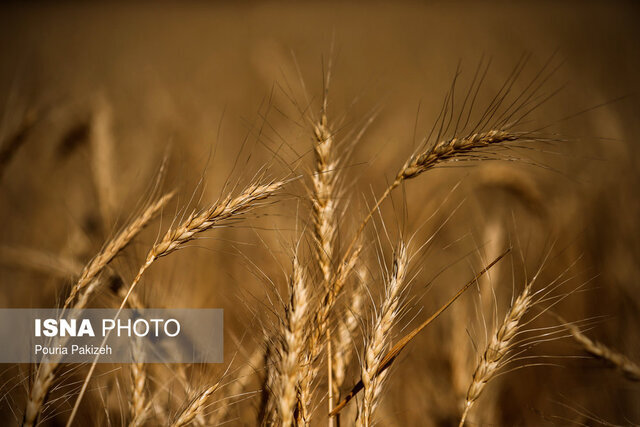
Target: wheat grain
<point x="138" y="404"/>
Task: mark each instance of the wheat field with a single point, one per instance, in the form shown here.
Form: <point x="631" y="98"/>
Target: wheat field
<point x="411" y="213"/>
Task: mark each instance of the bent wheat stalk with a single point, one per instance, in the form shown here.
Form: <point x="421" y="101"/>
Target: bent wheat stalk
<point x="498" y="348"/>
<point x="84" y="287"/>
<point x="176" y="237"/>
<point x="114" y="247"/>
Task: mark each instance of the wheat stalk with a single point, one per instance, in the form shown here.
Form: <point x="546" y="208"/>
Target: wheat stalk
<point x="379" y="338"/>
<point x="397" y="348"/>
<point x="176" y="237"/>
<point x="324" y="203"/>
<point x="294" y="333"/>
<point x="629" y="368"/>
<point x="138" y="404"/>
<point x="498" y="348"/>
<point x="85" y="286"/>
<point x="112" y="248"/>
<point x="195" y="407"/>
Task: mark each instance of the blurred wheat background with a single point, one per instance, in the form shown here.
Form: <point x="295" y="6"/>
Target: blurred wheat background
<point x="106" y="107"/>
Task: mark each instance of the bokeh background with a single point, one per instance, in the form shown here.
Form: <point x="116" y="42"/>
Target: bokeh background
<point x="212" y="84"/>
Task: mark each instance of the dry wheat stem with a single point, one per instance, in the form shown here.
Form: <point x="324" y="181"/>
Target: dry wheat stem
<point x="176" y="237"/>
<point x="497" y="348"/>
<point x="379" y="338"/>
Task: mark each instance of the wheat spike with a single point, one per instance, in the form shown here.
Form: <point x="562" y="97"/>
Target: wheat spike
<point x="112" y="248"/>
<point x="629" y="368"/>
<point x="294" y="333"/>
<point x="497" y="348"/>
<point x="195" y="407"/>
<point x="176" y="237"/>
<point x="379" y="338"/>
<point x="85" y="285"/>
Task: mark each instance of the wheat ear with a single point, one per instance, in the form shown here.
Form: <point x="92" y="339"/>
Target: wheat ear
<point x="177" y="237"/>
<point x="379" y="338"/>
<point x="403" y="342"/>
<point x="112" y="248"/>
<point x="195" y="407"/>
<point x="447" y="150"/>
<point x="138" y="404"/>
<point x="294" y="333"/>
<point x="629" y="368"/>
<point x="85" y="285"/>
<point x="497" y="348"/>
<point x="237" y="387"/>
<point x="324" y="198"/>
<point x="324" y="202"/>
